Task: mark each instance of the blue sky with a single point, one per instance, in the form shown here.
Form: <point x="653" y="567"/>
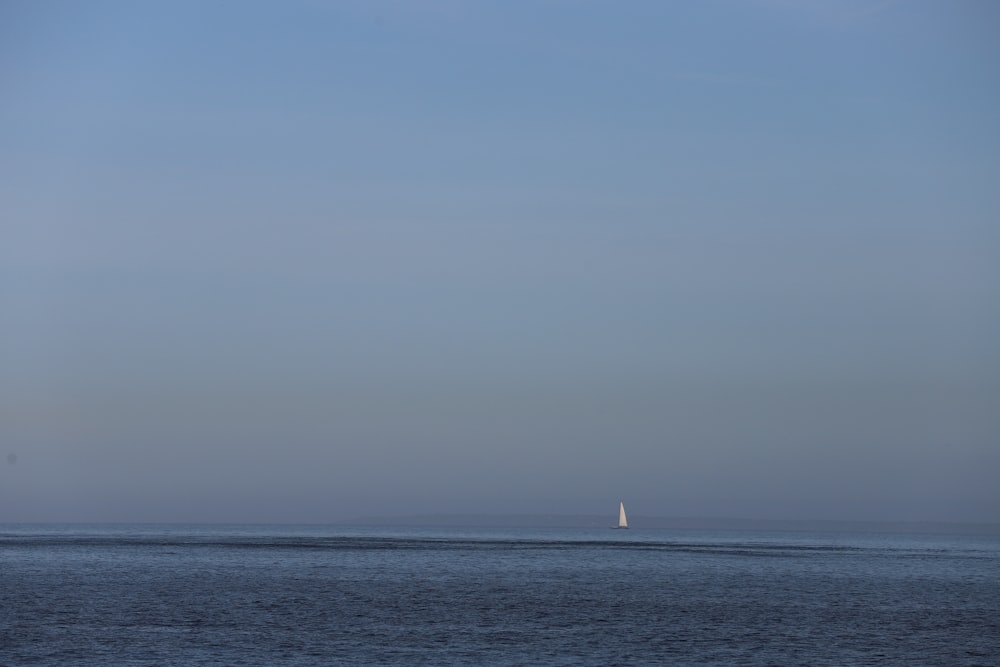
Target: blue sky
<point x="309" y="261"/>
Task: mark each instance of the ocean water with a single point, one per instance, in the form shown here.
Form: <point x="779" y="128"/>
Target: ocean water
<point x="197" y="595"/>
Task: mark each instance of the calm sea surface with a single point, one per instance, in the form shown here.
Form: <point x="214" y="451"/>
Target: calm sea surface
<point x="196" y="595"/>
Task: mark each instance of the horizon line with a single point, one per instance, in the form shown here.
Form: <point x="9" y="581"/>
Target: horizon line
<point x="557" y="520"/>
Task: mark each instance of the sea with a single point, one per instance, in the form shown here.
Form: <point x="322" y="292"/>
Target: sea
<point x="334" y="595"/>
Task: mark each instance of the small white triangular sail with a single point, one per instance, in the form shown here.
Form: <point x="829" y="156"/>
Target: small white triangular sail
<point x="622" y="521"/>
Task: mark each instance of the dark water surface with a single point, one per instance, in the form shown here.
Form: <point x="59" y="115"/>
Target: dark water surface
<point x="190" y="595"/>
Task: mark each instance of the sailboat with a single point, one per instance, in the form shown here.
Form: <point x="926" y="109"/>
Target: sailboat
<point x="622" y="520"/>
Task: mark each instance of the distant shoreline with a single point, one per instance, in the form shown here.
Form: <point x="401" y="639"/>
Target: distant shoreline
<point x="677" y="523"/>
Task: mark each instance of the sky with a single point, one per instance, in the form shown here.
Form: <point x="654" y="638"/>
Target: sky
<point x="312" y="261"/>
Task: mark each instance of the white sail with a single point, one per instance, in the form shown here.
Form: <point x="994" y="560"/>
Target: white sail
<point x="622" y="521"/>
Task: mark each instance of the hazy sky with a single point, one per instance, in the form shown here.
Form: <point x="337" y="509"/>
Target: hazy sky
<point x="310" y="261"/>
